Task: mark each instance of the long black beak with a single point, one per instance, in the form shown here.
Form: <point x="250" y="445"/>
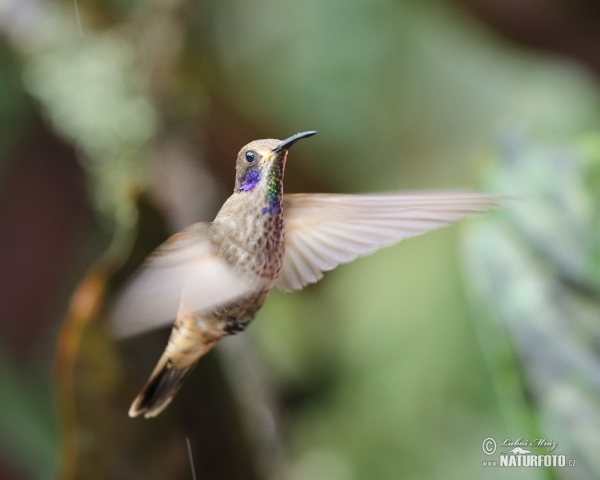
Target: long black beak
<point x="288" y="142"/>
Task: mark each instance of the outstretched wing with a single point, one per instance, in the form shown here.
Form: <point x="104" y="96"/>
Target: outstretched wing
<point x="186" y="262"/>
<point x="324" y="230"/>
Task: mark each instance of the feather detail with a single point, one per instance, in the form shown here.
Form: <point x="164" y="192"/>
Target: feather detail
<point x="186" y="261"/>
<point x="160" y="389"/>
<point x="324" y="230"/>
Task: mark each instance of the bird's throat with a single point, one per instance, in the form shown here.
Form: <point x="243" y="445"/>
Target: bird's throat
<point x="266" y="186"/>
<point x="275" y="186"/>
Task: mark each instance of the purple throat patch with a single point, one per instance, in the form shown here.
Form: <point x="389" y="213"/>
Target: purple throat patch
<point x="250" y="180"/>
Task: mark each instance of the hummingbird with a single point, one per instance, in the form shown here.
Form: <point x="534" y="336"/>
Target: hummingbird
<point x="213" y="277"/>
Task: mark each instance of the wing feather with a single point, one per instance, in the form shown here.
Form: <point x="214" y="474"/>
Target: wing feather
<point x="185" y="262"/>
<point x="325" y="230"/>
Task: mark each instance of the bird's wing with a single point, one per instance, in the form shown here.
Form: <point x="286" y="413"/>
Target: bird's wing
<point x="186" y="263"/>
<point x="324" y="230"/>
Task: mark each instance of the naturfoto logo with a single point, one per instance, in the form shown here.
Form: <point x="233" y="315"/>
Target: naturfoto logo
<point x="522" y="455"/>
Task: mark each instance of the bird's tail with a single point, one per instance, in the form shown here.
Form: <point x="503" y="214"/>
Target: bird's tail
<point x="160" y="388"/>
<point x="190" y="339"/>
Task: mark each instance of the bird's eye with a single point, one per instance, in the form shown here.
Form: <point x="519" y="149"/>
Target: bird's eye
<point x="250" y="156"/>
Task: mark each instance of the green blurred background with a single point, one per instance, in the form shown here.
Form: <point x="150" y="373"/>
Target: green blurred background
<point x="120" y="122"/>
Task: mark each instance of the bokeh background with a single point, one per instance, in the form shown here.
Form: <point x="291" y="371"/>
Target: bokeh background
<point x="120" y="123"/>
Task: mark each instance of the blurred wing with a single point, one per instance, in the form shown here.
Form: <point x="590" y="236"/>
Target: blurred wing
<point x="324" y="230"/>
<point x="185" y="262"/>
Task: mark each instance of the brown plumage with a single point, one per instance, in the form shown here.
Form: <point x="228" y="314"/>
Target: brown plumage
<point x="214" y="277"/>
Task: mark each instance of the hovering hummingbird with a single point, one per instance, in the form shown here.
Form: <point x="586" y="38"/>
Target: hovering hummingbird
<point x="213" y="277"/>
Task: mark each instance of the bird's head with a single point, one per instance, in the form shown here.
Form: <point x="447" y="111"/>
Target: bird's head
<point x="263" y="160"/>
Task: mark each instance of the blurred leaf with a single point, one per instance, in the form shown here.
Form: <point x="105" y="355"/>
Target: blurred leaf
<point x="539" y="274"/>
<point x="15" y="107"/>
<point x="26" y="429"/>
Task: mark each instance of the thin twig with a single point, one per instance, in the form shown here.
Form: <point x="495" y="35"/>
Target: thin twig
<point x="189" y="448"/>
<point x="75" y="4"/>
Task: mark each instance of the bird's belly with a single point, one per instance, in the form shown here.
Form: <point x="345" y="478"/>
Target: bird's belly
<point x="235" y="317"/>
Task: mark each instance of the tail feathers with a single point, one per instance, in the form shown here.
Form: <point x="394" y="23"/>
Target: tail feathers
<point x="160" y="389"/>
